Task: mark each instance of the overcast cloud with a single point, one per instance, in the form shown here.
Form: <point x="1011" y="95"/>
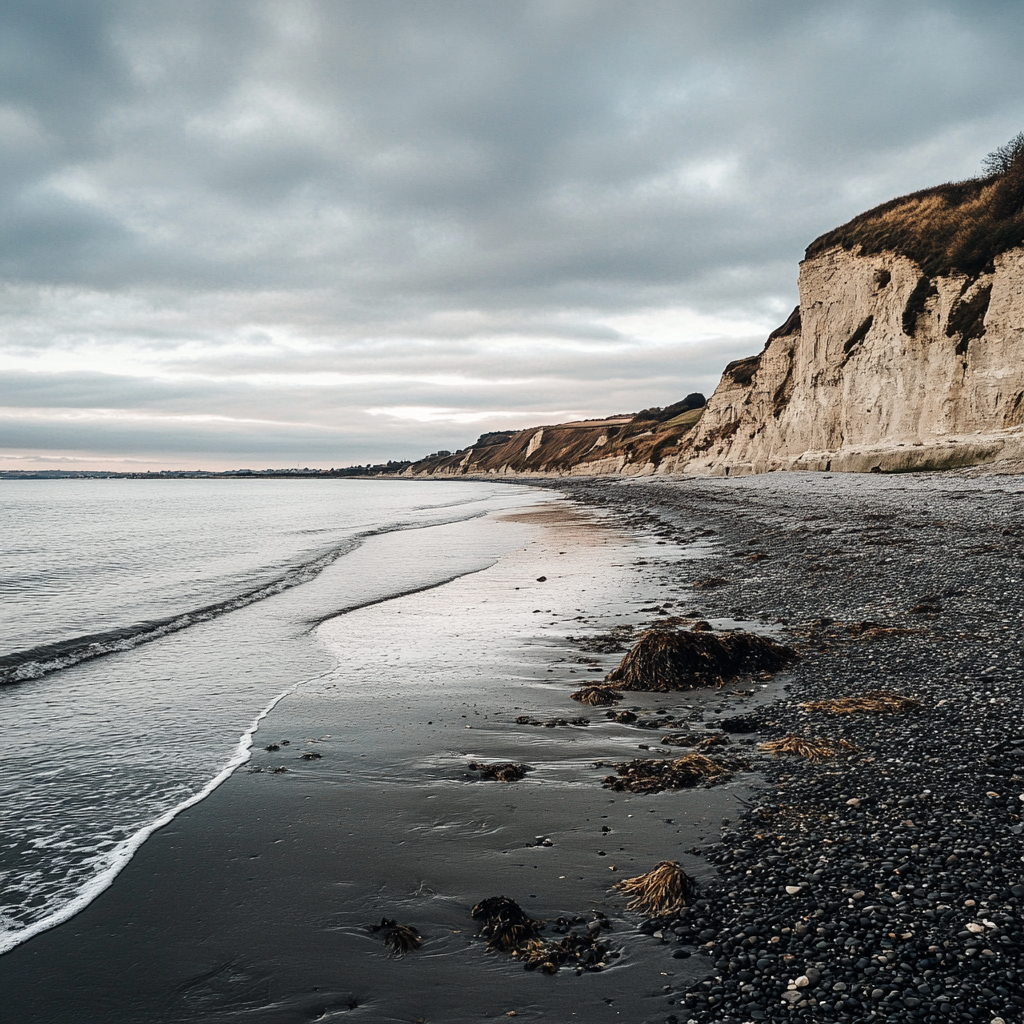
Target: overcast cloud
<point x="270" y="233"/>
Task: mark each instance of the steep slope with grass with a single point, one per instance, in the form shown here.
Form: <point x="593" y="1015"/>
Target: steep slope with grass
<point x="906" y="351"/>
<point x="629" y="444"/>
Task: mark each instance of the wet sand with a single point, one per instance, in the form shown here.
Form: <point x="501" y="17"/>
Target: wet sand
<point x="254" y="905"/>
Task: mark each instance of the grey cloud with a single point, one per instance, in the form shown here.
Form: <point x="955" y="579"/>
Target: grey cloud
<point x="403" y="187"/>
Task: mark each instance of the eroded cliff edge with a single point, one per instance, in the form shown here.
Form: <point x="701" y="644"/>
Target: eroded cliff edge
<point x="905" y="352"/>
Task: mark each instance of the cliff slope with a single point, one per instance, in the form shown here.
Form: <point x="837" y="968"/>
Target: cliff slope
<point x="905" y="352"/>
<point x="630" y="444"/>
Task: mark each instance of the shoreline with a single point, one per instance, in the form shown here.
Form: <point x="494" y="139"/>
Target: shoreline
<point x="255" y="903"/>
<point x="828" y="553"/>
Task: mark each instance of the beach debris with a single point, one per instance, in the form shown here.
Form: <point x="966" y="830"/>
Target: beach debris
<point x="596" y="696"/>
<point x="400" y="938"/>
<point x="663" y="660"/>
<point x="652" y="775"/>
<point x="622" y="717"/>
<point x="507" y="927"/>
<point x="500" y="771"/>
<point x="877" y="701"/>
<point x="814" y="750"/>
<point x="662" y="892"/>
<point x="584" y="950"/>
<point x="504" y="924"/>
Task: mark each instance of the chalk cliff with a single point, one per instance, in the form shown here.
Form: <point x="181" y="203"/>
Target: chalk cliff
<point x="905" y="352"/>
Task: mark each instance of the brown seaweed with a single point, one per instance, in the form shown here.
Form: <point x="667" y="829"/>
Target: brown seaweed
<point x="652" y="775"/>
<point x="814" y="750"/>
<point x="664" y="660"/>
<point x="596" y="696"/>
<point x="501" y="771"/>
<point x="505" y="924"/>
<point x="662" y="892"/>
<point x="400" y="938"/>
<point x="877" y="702"/>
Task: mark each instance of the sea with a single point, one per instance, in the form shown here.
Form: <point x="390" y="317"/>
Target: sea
<point x="147" y="627"/>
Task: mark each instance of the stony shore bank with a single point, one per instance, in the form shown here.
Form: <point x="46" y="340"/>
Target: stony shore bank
<point x="886" y="883"/>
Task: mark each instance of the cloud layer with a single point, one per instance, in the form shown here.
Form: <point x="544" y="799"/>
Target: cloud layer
<point x="267" y="233"/>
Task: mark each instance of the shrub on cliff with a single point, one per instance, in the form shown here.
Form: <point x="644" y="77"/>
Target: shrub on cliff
<point x="960" y="226"/>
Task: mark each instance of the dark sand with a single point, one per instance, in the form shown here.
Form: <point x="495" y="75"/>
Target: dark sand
<point x="254" y="904"/>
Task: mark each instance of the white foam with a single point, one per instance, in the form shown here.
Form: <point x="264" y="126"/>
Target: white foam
<point x="118" y="858"/>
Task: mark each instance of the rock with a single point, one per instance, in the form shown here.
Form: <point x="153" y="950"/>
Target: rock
<point x="792" y="890"/>
<point x="831" y="389"/>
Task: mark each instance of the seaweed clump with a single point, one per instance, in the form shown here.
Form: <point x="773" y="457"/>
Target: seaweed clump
<point x="584" y="950"/>
<point x="814" y="750"/>
<point x="652" y="775"/>
<point x="505" y="925"/>
<point x="399" y="938"/>
<point x="596" y="696"/>
<point x="502" y="771"/>
<point x="877" y="702"/>
<point x="663" y="660"/>
<point x="663" y="892"/>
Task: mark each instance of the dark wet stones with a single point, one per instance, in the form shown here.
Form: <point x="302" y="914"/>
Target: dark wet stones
<point x="739" y="724"/>
<point x="867" y="871"/>
<point x="551" y="723"/>
<point x="272" y="747"/>
<point x="311" y="756"/>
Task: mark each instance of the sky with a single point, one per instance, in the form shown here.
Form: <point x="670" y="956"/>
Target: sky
<point x="293" y="233"/>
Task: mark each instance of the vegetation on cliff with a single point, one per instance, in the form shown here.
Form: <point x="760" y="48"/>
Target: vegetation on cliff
<point x="960" y="226"/>
<point x="642" y="438"/>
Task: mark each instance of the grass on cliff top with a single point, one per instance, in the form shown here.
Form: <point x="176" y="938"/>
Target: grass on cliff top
<point x="959" y="226"/>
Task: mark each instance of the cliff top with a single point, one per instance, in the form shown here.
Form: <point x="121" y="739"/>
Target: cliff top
<point x="960" y="226"/>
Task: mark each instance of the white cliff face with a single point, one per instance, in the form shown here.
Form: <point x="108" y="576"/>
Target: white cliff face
<point x="883" y="370"/>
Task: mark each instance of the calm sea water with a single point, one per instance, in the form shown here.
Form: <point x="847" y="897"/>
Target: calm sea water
<point x="148" y="626"/>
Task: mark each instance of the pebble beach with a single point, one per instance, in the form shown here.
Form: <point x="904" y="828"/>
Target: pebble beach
<point x="885" y="883"/>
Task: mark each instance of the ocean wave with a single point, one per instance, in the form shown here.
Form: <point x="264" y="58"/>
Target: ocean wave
<point x="44" y="659"/>
<point x="114" y="861"/>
